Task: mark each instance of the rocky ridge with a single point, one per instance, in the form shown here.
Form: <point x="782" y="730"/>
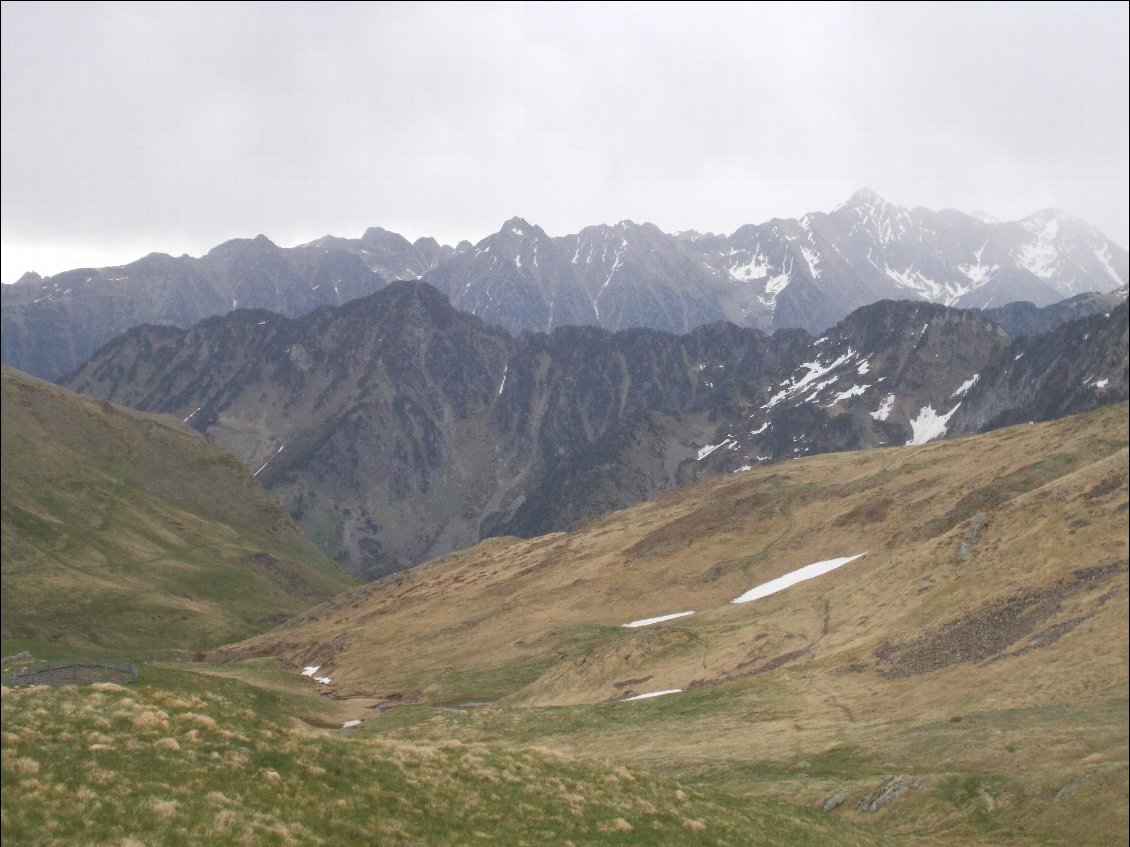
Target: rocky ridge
<point x="397" y="428"/>
<point x="809" y="273"/>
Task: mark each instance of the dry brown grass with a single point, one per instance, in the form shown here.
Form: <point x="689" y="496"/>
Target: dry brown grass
<point x="782" y="682"/>
<point x="541" y="617"/>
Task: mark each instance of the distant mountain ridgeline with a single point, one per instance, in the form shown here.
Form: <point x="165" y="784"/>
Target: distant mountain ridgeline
<point x="808" y="273"/>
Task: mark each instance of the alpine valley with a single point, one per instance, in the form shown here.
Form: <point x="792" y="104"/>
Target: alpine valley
<point x="918" y="646"/>
<point x="813" y="534"/>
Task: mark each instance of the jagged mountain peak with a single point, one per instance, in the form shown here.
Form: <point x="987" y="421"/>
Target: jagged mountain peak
<point x="521" y="227"/>
<point x="870" y="203"/>
<point x="873" y="209"/>
<point x="625" y="229"/>
<point x="693" y="235"/>
<point x="1060" y="226"/>
<point x="241" y="245"/>
<point x="804" y="272"/>
<point x="1045" y="216"/>
<point x="29" y="278"/>
<point x="376" y="236"/>
<point x="865" y="197"/>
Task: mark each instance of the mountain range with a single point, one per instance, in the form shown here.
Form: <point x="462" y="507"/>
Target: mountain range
<point x="809" y="642"/>
<point x="396" y="427"/>
<point x="808" y="273"/>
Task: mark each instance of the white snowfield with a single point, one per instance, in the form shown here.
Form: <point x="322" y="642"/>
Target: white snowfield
<point x="963" y="389"/>
<point x="847" y="394"/>
<point x="651" y="694"/>
<point x="703" y="452"/>
<point x="660" y="619"/>
<point x="793" y="577"/>
<point x="348" y="724"/>
<point x="815" y="370"/>
<point x="884" y="409"/>
<point x="929" y="425"/>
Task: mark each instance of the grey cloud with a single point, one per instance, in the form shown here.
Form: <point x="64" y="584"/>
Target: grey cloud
<point x="130" y="128"/>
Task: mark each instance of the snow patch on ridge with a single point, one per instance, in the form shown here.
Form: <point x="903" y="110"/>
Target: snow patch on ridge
<point x="756" y="268"/>
<point x="815" y="370"/>
<point x="1040" y="255"/>
<point x="1105" y="260"/>
<point x="854" y="391"/>
<point x="793" y="577"/>
<point x="926" y="287"/>
<point x="813" y="260"/>
<point x="929" y="425"/>
<point x="963" y="389"/>
<point x="978" y="274"/>
<point x="773" y="287"/>
<point x="884" y="409"/>
<point x="710" y="448"/>
<point x="651" y="694"/>
<point x="660" y="619"/>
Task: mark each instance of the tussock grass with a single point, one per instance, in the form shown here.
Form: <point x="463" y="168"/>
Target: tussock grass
<point x="216" y="772"/>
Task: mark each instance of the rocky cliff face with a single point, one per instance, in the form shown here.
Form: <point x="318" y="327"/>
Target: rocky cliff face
<point x="1075" y="368"/>
<point x="396" y="428"/>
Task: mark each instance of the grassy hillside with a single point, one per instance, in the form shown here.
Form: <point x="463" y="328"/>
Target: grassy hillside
<point x="539" y="621"/>
<point x="190" y="760"/>
<point x="123" y="533"/>
<point x="962" y="683"/>
<point x="979" y="646"/>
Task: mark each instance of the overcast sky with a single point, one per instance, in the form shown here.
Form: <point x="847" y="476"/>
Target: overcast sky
<point x="129" y="129"/>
